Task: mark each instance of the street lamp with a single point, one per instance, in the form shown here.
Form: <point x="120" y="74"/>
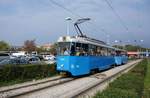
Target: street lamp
<point x="116" y="41"/>
<point x="68" y="19"/>
<point x="108" y="39"/>
<point x="141" y="41"/>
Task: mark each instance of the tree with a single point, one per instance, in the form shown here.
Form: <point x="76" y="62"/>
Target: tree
<point x="4" y="46"/>
<point x="131" y="48"/>
<point x="29" y="46"/>
<point x="53" y="49"/>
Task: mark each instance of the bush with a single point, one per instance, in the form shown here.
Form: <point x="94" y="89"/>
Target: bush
<point x="25" y="72"/>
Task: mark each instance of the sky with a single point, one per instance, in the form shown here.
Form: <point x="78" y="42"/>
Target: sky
<point x="45" y="22"/>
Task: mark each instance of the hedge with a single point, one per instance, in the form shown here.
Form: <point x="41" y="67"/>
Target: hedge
<point x="10" y="73"/>
<point x="129" y="85"/>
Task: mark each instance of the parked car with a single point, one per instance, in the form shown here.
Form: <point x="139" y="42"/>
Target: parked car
<point x="18" y="54"/>
<point x="4" y="56"/>
<point x="50" y="61"/>
<point x="15" y="61"/>
<point x="49" y="57"/>
<point x="34" y="60"/>
<point x="40" y="57"/>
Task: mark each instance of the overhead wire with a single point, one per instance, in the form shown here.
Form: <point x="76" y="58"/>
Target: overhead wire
<point x="120" y="19"/>
<point x="109" y="3"/>
<point x="117" y="15"/>
<point x="61" y="6"/>
<point x="70" y="11"/>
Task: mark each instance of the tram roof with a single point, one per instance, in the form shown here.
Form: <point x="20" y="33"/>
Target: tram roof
<point x="86" y="40"/>
<point x="117" y="49"/>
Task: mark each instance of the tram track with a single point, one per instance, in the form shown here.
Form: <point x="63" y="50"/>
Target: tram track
<point x="100" y="85"/>
<point x="17" y="86"/>
<point x="21" y="89"/>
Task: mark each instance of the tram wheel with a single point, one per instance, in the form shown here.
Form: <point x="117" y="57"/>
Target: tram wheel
<point x="64" y="74"/>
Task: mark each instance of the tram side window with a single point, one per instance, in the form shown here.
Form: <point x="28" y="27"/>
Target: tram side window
<point x="78" y="49"/>
<point x="123" y="53"/>
<point x="73" y="49"/>
<point x="118" y="53"/>
<point x="98" y="51"/>
<point x="104" y="51"/>
<point x="92" y="50"/>
<point x="63" y="48"/>
<point x="85" y="49"/>
<point x="111" y="52"/>
<point x="108" y="52"/>
<point x="81" y="49"/>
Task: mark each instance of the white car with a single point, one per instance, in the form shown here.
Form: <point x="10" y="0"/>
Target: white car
<point x="49" y="57"/>
<point x="50" y="61"/>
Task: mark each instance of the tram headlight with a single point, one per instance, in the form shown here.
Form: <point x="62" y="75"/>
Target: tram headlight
<point x="58" y="67"/>
<point x="77" y="66"/>
<point x="72" y="66"/>
<point x="62" y="65"/>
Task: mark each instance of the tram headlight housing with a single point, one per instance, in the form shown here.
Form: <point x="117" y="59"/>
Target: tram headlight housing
<point x="72" y="66"/>
<point x="62" y="65"/>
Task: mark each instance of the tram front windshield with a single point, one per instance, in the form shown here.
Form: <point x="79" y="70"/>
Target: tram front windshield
<point x="65" y="48"/>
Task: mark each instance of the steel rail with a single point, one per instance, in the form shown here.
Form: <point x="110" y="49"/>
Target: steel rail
<point x="82" y="93"/>
<point x="32" y="87"/>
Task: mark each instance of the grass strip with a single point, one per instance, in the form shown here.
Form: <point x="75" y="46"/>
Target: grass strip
<point x="146" y="93"/>
<point x="129" y="85"/>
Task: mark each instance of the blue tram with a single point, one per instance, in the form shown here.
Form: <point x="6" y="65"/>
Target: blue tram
<point x="79" y="55"/>
<point x="120" y="57"/>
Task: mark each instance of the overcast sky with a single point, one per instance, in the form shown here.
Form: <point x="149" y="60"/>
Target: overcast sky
<point x="44" y="21"/>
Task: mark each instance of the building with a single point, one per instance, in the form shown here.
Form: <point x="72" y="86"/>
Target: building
<point x="138" y="54"/>
<point x="132" y="54"/>
<point x="46" y="46"/>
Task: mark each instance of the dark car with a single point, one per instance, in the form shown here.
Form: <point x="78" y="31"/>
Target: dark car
<point x="4" y="56"/>
<point x="34" y="60"/>
<point x="15" y="61"/>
